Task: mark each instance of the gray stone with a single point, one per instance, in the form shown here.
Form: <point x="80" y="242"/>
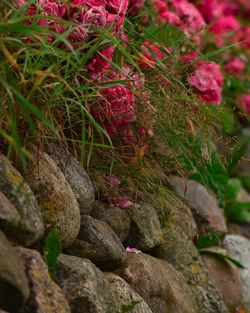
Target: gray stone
<point x="14" y="288"/>
<point x="30" y="228"/>
<point x="226" y="277"/>
<point x="45" y="295"/>
<point x="9" y="217"/>
<point x="178" y="250"/>
<point x="58" y="203"/>
<point x="76" y="176"/>
<point x="208" y="216"/>
<point x="145" y="229"/>
<point x="126" y="295"/>
<point x="85" y="286"/>
<point x="158" y="283"/>
<point x="239" y="248"/>
<point x="97" y="242"/>
<point x="118" y="219"/>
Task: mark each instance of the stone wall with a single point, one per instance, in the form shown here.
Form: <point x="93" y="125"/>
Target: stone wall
<point x="114" y="259"/>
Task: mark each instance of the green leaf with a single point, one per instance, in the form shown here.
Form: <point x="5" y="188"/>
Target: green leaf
<point x="245" y="180"/>
<point x="238" y="211"/>
<point x="232" y="188"/>
<point x="223" y="257"/>
<point x="52" y="249"/>
<point x="208" y="240"/>
<point x="128" y="307"/>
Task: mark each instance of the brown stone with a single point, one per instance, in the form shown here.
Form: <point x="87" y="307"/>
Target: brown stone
<point x="226" y="277"/>
<point x="158" y="283"/>
<point x="45" y="295"/>
<point x="209" y="217"/>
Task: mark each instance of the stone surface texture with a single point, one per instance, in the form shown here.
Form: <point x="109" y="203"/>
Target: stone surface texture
<point x="14" y="288"/>
<point x="76" y="176"/>
<point x="118" y="219"/>
<point x="9" y="216"/>
<point x="145" y="229"/>
<point x="158" y="283"/>
<point x="238" y="247"/>
<point x="208" y="216"/>
<point x="45" y="295"/>
<point x="97" y="241"/>
<point x="15" y="188"/>
<point x="178" y="250"/>
<point x="126" y="295"/>
<point x="226" y="277"/>
<point x="58" y="203"/>
<point x="85" y="286"/>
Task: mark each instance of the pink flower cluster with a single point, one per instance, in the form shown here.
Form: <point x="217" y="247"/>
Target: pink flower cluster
<point x="207" y="80"/>
<point x="86" y="15"/>
<point x="181" y="13"/>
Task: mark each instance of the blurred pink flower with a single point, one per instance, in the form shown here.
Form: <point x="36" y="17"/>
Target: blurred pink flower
<point x="165" y="13"/>
<point x="123" y="202"/>
<point x="135" y="5"/>
<point x="235" y="66"/>
<point x="133" y="250"/>
<point x="207" y="80"/>
<point x="243" y="102"/>
<point x="190" y="56"/>
<point x="113" y="181"/>
<point x="191" y="20"/>
<point x="210" y="10"/>
<point x="225" y="24"/>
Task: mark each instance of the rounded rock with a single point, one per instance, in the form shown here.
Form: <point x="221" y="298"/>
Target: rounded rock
<point x="59" y="206"/>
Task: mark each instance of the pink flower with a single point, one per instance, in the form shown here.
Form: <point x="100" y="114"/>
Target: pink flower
<point x="116" y="109"/>
<point x="243" y="102"/>
<point x="207" y="80"/>
<point x="151" y="53"/>
<point x="190" y="56"/>
<point x="87" y="20"/>
<point x="123" y="202"/>
<point x="100" y="64"/>
<point x="165" y="13"/>
<point x="225" y="24"/>
<point x="113" y="181"/>
<point x="191" y="20"/>
<point x="235" y="66"/>
<point x="246" y="37"/>
<point x="53" y="7"/>
<point x="210" y="9"/>
<point x="133" y="250"/>
<point x="135" y="5"/>
<point x="117" y="6"/>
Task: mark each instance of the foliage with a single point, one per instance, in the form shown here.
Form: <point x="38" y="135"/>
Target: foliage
<point x="52" y="249"/>
<point x="208" y="240"/>
<point x="223" y="257"/>
<point x="128" y="307"/>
